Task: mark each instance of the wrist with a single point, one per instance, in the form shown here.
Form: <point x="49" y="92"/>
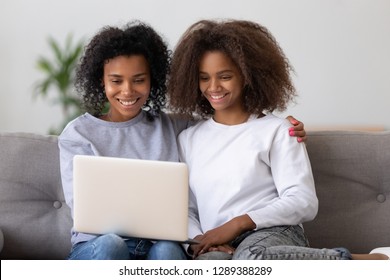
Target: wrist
<point x="244" y="223"/>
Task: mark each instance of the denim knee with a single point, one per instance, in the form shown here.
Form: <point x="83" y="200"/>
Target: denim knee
<point x="166" y="250"/>
<point x="105" y="247"/>
<point x="111" y="246"/>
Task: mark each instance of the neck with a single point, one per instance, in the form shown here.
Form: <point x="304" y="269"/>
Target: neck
<point x="231" y="119"/>
<point x="110" y="117"/>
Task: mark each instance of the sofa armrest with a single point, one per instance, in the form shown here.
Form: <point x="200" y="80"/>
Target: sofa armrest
<point x="1" y="240"/>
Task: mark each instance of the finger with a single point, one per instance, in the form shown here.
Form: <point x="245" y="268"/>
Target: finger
<point x="302" y="139"/>
<point x="213" y="249"/>
<point x="298" y="133"/>
<point x="196" y="249"/>
<point x="205" y="245"/>
<point x="292" y="120"/>
<point x="227" y="249"/>
<point x="301" y="135"/>
<point x="298" y="126"/>
<point x="223" y="248"/>
<point x="201" y="249"/>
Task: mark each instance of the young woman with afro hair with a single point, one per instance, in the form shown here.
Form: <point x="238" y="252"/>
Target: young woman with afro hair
<point x="251" y="185"/>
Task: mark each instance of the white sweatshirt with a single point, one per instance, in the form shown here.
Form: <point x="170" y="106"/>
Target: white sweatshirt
<point x="253" y="168"/>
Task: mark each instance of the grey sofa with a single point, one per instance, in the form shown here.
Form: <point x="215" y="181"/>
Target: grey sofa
<point x="351" y="170"/>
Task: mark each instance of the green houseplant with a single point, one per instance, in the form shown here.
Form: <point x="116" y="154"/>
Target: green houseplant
<point x="59" y="72"/>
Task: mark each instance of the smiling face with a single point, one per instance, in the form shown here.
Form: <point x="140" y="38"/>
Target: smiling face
<point x="127" y="84"/>
<point x="221" y="83"/>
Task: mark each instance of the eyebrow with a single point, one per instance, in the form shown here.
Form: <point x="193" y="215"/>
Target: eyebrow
<point x="220" y="72"/>
<point x="119" y="76"/>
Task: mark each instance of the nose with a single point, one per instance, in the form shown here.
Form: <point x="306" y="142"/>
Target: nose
<point x="213" y="85"/>
<point x="127" y="88"/>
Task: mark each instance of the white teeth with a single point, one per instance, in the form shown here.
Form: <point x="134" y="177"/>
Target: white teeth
<point x="216" y="97"/>
<point x="127" y="103"/>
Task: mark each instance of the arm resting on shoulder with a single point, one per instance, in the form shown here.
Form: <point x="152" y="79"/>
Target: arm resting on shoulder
<point x="298" y="129"/>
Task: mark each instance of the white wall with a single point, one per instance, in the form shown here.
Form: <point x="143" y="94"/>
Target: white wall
<point x="339" y="49"/>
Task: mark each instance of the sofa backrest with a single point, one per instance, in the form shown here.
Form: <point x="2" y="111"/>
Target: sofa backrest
<point x="34" y="217"/>
<point x="352" y="177"/>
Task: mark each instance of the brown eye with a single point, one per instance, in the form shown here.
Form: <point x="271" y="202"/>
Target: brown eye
<point x="226" y="77"/>
<point x="139" y="81"/>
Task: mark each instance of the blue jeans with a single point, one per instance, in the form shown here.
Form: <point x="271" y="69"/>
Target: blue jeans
<point x="114" y="247"/>
<point x="276" y="243"/>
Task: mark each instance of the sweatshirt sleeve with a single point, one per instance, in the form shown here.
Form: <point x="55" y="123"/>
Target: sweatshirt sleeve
<point x="68" y="148"/>
<point x="194" y="227"/>
<point x="293" y="178"/>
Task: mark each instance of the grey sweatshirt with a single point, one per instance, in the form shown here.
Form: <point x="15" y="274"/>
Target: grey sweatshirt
<point x="138" y="138"/>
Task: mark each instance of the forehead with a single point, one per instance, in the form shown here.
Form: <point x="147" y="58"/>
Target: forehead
<point x="127" y="64"/>
<point x="216" y="60"/>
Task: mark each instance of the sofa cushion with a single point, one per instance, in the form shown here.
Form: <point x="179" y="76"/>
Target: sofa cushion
<point x="1" y="240"/>
<point x="34" y="218"/>
<point x="351" y="173"/>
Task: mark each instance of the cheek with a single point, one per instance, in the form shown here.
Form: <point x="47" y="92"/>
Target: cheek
<point x="111" y="91"/>
<point x="202" y="87"/>
<point x="145" y="90"/>
<point x="107" y="89"/>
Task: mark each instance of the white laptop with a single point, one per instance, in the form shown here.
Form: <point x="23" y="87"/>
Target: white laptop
<point x="131" y="197"/>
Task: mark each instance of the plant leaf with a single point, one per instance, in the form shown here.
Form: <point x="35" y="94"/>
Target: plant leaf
<point x="55" y="48"/>
<point x="59" y="73"/>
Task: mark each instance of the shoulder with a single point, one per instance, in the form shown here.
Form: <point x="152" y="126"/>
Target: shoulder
<point x="165" y="117"/>
<point x="196" y="127"/>
<point x="270" y="127"/>
<point x="73" y="125"/>
<point x="162" y="119"/>
<point x="275" y="120"/>
<point x="81" y="125"/>
<point x="270" y="123"/>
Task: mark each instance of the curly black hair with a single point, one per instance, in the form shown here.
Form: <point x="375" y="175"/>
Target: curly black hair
<point x="135" y="38"/>
<point x="264" y="67"/>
